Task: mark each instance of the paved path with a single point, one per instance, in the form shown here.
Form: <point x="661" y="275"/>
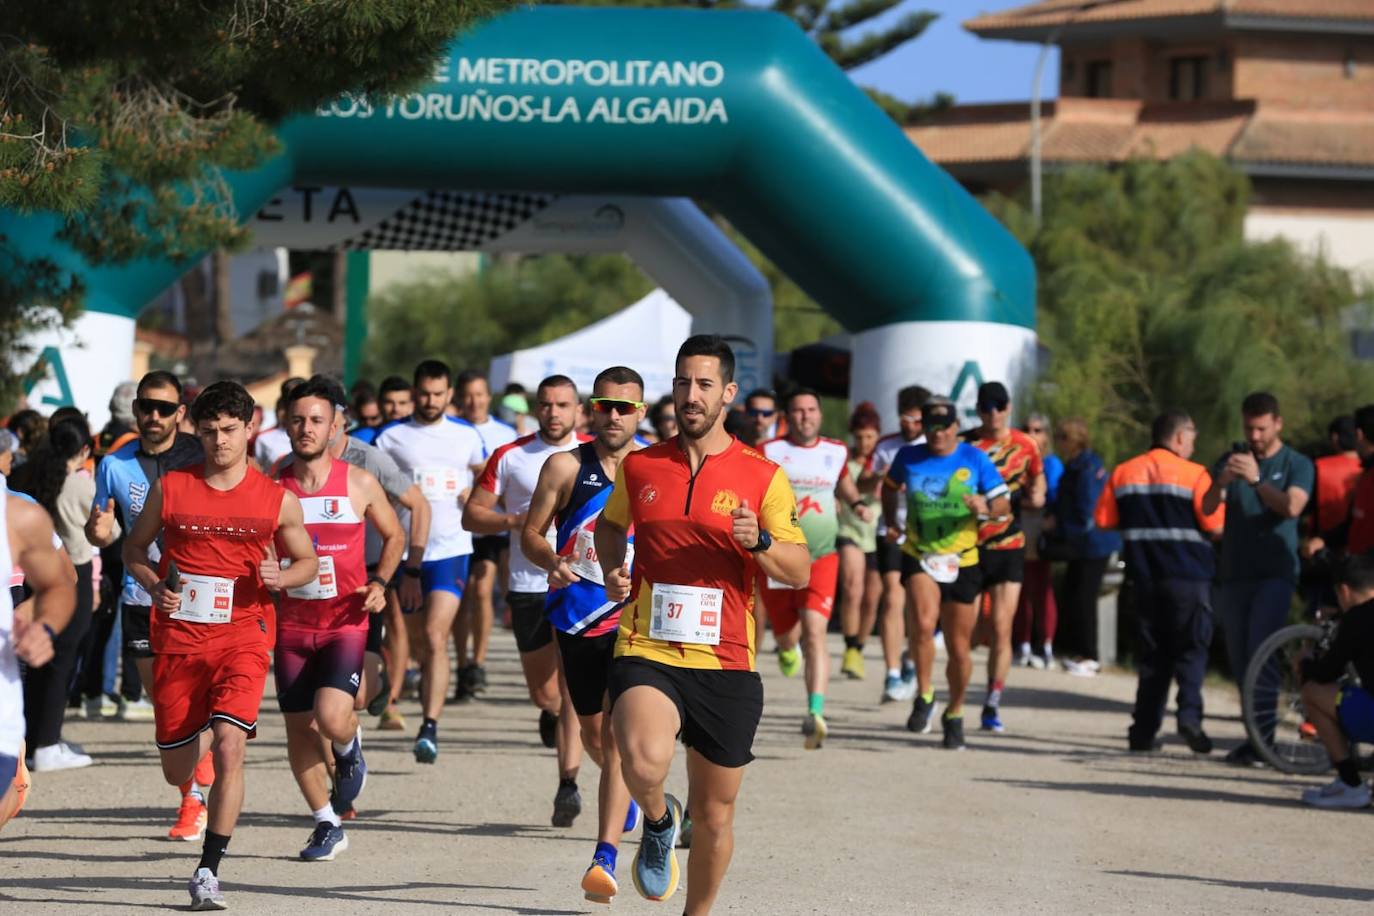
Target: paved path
<point x="1050" y="818"/>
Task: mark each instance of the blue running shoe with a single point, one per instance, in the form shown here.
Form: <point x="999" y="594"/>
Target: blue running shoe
<point x="992" y="721"/>
<point x="350" y="772"/>
<point x="325" y="843"/>
<point x="908" y="669"/>
<point x="655" y="868"/>
<point x="598" y="884"/>
<point x="632" y="817"/>
<point x="426" y="749"/>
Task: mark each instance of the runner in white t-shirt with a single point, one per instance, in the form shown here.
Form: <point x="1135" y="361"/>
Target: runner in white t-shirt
<point x="510" y="479"/>
<point x="489" y="551"/>
<point x="438" y="453"/>
<point x="894" y="617"/>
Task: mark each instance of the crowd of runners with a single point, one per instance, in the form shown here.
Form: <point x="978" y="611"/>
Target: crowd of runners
<point x="356" y="550"/>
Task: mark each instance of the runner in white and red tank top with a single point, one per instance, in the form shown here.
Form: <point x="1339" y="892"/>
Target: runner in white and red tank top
<point x="322" y="627"/>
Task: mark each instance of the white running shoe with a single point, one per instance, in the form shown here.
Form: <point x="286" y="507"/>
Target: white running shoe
<point x="205" y="894"/>
<point x="58" y="756"/>
<point x="139" y="710"/>
<point x="1337" y="794"/>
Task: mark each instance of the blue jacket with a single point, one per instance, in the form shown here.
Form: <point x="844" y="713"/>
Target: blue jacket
<point x="1079" y="489"/>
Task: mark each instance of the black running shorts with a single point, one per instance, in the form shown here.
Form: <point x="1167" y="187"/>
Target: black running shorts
<point x="889" y="557"/>
<point x="529" y="620"/>
<point x="719" y="711"/>
<point x="587" y="666"/>
<point x="134" y="623"/>
<point x="489" y="547"/>
<point x="1002" y="565"/>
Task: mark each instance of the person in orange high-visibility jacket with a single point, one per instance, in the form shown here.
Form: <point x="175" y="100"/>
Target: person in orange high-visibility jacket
<point x="1155" y="500"/>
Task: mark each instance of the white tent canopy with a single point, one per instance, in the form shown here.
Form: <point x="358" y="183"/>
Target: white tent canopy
<point x="644" y="336"/>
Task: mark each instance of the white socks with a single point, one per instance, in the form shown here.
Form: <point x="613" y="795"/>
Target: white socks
<point x="326" y="815"/>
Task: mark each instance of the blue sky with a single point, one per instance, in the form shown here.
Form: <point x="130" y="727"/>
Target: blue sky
<point x="947" y="58"/>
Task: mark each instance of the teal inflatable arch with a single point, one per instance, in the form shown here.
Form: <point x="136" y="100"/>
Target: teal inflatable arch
<point x="738" y="109"/>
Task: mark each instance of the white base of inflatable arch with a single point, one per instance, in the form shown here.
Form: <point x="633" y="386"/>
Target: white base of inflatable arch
<point x="951" y="358"/>
<point x="85" y="363"/>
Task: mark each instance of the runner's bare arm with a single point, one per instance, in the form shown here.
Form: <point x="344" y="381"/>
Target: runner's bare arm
<point x="1035" y="494"/>
<point x="480" y="515"/>
<point x="377" y="509"/>
<point x="849" y="493"/>
<point x="294" y="542"/>
<point x="789" y="563"/>
<point x="136" y="543"/>
<point x="556" y="478"/>
<point x="892" y="494"/>
<point x="48" y="571"/>
<point x="1000" y="507"/>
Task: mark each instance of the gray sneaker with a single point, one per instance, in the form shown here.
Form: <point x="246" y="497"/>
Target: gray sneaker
<point x="205" y="893"/>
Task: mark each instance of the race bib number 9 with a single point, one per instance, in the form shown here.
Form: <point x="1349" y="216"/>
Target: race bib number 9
<point x="437" y="484"/>
<point x="687" y="614"/>
<point x="205" y="599"/>
<point x="323" y="587"/>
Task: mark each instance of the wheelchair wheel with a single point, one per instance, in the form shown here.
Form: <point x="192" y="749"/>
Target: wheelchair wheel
<point x="1271" y="696"/>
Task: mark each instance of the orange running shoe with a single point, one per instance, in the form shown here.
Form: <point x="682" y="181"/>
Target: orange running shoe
<point x="22" y="782"/>
<point x="205" y="771"/>
<point x="1307" y="731"/>
<point x="190" y="825"/>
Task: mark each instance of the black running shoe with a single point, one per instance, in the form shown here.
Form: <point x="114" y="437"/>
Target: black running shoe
<point x="567" y="805"/>
<point x="954" y="733"/>
<point x="479" y="680"/>
<point x="1197" y="739"/>
<point x="922" y="711"/>
<point x="377" y="705"/>
<point x="548" y="728"/>
<point x="462" y="687"/>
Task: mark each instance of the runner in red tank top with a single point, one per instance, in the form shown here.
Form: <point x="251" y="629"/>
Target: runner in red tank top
<point x="323" y="630"/>
<point x="213" y="621"/>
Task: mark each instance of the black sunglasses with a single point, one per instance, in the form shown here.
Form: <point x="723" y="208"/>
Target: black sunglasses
<point x="760" y="412"/>
<point x="157" y="406"/>
<point x="990" y="406"/>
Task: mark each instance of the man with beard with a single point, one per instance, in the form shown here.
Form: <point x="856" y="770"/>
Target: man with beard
<point x="510" y="479"/>
<point x="709" y="513"/>
<point x="572" y="490"/>
<point x="438" y="452"/>
<point x="215" y="624"/>
<point x="324" y="624"/>
<point x="122" y="483"/>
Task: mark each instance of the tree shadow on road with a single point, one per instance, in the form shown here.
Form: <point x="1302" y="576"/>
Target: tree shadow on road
<point x="1334" y="892"/>
<point x="1136" y="790"/>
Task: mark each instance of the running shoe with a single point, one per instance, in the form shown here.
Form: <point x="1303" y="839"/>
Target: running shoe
<point x="410" y="684"/>
<point x="1196" y="738"/>
<point x="1023" y="656"/>
<point x="897" y="690"/>
<point x="1143" y="745"/>
<point x="350" y="772"/>
<point x="139" y="710"/>
<point x="479" y="680"/>
<point x="992" y="720"/>
<point x="345" y="812"/>
<point x="205" y="893"/>
<point x="632" y="818"/>
<point x="377" y="705"/>
<point x="100" y="707"/>
<point x="1243" y="755"/>
<point x="392" y="721"/>
<point x="567" y="805"/>
<point x="462" y="689"/>
<point x="684" y="833"/>
<point x="954" y="732"/>
<point x="655" y="867"/>
<point x="1337" y="794"/>
<point x="548" y="728"/>
<point x="598" y="884"/>
<point x="205" y="770"/>
<point x="908" y="669"/>
<point x="59" y="756"/>
<point x="1079" y="667"/>
<point x="191" y="818"/>
<point x="1041" y="662"/>
<point x="789" y="661"/>
<point x="852" y="666"/>
<point x="922" y="711"/>
<point x="815" y="730"/>
<point x="426" y="747"/>
<point x="326" y="841"/>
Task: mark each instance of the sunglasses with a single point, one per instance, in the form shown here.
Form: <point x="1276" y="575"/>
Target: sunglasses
<point x="1035" y="429"/>
<point x="760" y="412"/>
<point x="616" y="405"/>
<point x="991" y="406"/>
<point x="157" y="406"/>
<point x="911" y="418"/>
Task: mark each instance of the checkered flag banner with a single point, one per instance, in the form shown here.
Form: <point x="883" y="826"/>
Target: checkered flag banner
<point x="449" y="221"/>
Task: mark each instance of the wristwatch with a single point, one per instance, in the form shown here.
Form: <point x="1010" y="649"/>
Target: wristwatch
<point x="765" y="541"/>
<point x="377" y="579"/>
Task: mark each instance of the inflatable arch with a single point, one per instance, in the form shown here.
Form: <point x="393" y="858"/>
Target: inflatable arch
<point x="737" y="108"/>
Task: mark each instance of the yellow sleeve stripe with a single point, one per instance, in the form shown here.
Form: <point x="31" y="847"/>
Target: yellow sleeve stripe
<point x="779" y="511"/>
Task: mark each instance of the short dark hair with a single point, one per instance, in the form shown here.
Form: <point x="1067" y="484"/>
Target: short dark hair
<point x="799" y="392"/>
<point x="1356" y="571"/>
<point x="709" y="345"/>
<point x="362" y="399"/>
<point x="158" y="378"/>
<point x="1343" y="428"/>
<point x="1259" y="404"/>
<point x="619" y="375"/>
<point x="1364" y="422"/>
<point x="467" y="377"/>
<point x="768" y="393"/>
<point x="557" y="381"/>
<point x="392" y="383"/>
<point x="223" y="399"/>
<point x="432" y="368"/>
<point x="319" y="386"/>
<point x="287" y="385"/>
<point x="1165" y="425"/>
<point x="912" y="397"/>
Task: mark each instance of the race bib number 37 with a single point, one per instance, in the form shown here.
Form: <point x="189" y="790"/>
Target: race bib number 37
<point x="687" y="614"/>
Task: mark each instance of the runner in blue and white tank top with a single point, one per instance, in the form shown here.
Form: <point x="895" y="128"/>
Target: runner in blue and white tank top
<point x="572" y="490"/>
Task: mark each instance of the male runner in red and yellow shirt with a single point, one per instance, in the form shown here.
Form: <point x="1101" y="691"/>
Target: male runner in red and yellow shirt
<point x="213" y="627"/>
<point x="709" y="513"/>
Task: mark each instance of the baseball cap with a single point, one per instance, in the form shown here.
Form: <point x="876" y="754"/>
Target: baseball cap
<point x="993" y="395"/>
<point x="937" y="413"/>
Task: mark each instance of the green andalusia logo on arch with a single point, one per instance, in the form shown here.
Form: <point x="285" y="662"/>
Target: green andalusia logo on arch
<point x="971" y="374"/>
<point x="50" y="361"/>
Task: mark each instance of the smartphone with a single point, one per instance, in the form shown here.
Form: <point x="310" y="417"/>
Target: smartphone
<point x="1240" y="448"/>
<point x="173" y="581"/>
